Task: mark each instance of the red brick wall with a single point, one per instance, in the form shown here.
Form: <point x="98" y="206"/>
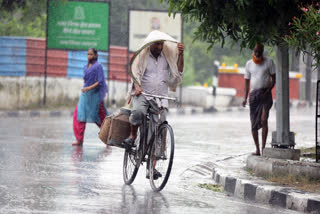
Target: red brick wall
<point x="236" y="81"/>
<point x="232" y="80"/>
<point x="118" y="63"/>
<point x="294" y="88"/>
<point x="35" y="58"/>
<point x="57" y="62"/>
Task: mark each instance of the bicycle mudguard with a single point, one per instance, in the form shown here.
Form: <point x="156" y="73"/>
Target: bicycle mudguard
<point x="164" y="122"/>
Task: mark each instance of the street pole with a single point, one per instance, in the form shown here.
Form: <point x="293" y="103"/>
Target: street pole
<point x="294" y="60"/>
<point x="45" y="78"/>
<point x="308" y="79"/>
<point x="282" y="138"/>
<point x="45" y="61"/>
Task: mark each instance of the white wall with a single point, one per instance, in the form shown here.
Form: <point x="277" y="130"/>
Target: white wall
<point x="27" y="92"/>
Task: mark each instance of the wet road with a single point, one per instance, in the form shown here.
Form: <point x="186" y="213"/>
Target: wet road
<point x="40" y="172"/>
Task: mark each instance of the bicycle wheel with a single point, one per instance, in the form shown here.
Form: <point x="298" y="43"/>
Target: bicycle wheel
<point x="161" y="158"/>
<point x="131" y="161"/>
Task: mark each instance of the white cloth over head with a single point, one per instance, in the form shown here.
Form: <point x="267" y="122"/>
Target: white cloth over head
<point x="156" y="35"/>
<point x="139" y="61"/>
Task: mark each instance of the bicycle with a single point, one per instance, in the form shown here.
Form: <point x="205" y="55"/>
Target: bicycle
<point x="155" y="145"/>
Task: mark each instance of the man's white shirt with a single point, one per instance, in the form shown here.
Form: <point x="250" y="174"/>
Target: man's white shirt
<point x="259" y="74"/>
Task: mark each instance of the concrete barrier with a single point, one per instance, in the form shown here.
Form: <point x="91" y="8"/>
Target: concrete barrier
<point x="202" y="96"/>
<point x="263" y="166"/>
<point x="27" y="92"/>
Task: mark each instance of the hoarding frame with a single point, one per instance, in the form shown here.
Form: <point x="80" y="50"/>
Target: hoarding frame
<point x="46" y="46"/>
<point x="90" y="1"/>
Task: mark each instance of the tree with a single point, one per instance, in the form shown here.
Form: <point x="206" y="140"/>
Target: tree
<point x="248" y="22"/>
<point x="23" y="18"/>
<point x="28" y="17"/>
<point x="244" y="21"/>
<point x="305" y="31"/>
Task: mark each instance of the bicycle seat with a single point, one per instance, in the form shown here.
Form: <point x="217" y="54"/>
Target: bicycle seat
<point x="153" y="111"/>
<point x="125" y="111"/>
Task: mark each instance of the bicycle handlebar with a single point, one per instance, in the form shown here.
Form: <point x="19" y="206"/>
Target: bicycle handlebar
<point x="158" y="96"/>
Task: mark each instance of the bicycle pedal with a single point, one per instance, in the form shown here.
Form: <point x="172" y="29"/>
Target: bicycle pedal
<point x="161" y="158"/>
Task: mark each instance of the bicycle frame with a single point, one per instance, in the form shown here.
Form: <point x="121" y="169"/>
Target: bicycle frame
<point x="148" y="148"/>
<point x="146" y="124"/>
<point x="147" y="141"/>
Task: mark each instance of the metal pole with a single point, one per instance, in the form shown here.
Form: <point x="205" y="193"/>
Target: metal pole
<point x="108" y="74"/>
<point x="45" y="61"/>
<point x="317" y="119"/>
<point x="294" y="60"/>
<point x="45" y="79"/>
<point x="180" y="91"/>
<point x="308" y="79"/>
<point x="128" y="51"/>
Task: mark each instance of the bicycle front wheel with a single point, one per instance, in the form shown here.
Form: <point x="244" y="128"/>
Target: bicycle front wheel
<point x="161" y="158"/>
<point x="131" y="161"/>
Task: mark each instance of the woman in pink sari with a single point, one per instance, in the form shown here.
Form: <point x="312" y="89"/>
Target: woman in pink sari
<point x="91" y="107"/>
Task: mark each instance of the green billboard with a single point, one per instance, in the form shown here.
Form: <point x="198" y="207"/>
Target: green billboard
<point x="78" y="25"/>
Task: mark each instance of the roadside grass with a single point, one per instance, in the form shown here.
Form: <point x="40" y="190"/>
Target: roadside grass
<point x="308" y="152"/>
<point x="298" y="182"/>
<point x="212" y="187"/>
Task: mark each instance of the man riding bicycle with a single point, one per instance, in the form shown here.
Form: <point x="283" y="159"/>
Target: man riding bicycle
<point x="156" y="69"/>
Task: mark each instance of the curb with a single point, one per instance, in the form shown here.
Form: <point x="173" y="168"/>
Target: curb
<point x="33" y="114"/>
<point x="255" y="192"/>
<point x="200" y="110"/>
<point x="273" y="166"/>
<point x="69" y="113"/>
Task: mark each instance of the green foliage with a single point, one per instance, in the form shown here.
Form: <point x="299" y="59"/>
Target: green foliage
<point x="305" y="31"/>
<point x="23" y="18"/>
<point x="209" y="81"/>
<point x="199" y="59"/>
<point x="213" y="187"/>
<point x="188" y="75"/>
<point x="28" y="18"/>
<point x="244" y="21"/>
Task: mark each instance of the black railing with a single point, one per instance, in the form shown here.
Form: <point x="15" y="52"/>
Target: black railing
<point x="317" y="122"/>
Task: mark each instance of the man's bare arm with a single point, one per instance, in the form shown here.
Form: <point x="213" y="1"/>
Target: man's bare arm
<point x="180" y="60"/>
<point x="246" y="92"/>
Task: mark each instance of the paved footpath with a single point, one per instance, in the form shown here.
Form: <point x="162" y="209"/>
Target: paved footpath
<point x="237" y="181"/>
<point x="69" y="112"/>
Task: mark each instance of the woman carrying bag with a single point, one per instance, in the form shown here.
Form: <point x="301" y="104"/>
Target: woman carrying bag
<point x="91" y="107"/>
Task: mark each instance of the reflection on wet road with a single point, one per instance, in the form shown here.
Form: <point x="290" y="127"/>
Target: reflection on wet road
<point x="40" y="172"/>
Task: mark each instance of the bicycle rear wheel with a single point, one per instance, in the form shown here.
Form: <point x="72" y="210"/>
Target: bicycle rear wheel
<point x="131" y="161"/>
<point x="161" y="159"/>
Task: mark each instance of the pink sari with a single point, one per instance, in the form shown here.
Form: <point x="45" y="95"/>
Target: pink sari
<point x="79" y="127"/>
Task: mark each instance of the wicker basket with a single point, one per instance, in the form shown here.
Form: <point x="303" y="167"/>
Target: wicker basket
<point x="120" y="128"/>
<point x="105" y="129"/>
